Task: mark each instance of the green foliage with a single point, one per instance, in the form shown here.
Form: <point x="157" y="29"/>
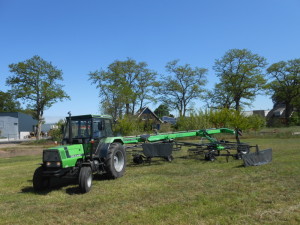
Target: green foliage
<point x="220" y="118"/>
<point x="285" y="85"/>
<point x="295" y="119"/>
<point x="57" y="133"/>
<point x="241" y="78"/>
<point x="183" y="85"/>
<point x="162" y="110"/>
<point x="195" y="121"/>
<point x="166" y="127"/>
<point x="236" y="119"/>
<point x="8" y="103"/>
<point x="124" y="85"/>
<point x="131" y="125"/>
<point x="219" y="97"/>
<point x="256" y="122"/>
<point x="35" y="82"/>
<point x="37" y="142"/>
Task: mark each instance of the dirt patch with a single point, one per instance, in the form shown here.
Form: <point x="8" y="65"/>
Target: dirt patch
<point x="12" y="150"/>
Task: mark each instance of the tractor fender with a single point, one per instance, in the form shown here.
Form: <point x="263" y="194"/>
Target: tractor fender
<point x="102" y="148"/>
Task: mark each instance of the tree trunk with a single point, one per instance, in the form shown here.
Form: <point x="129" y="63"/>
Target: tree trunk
<point x="237" y="105"/>
<point x="288" y="110"/>
<point x="237" y="138"/>
<point x="127" y="108"/>
<point x="39" y="128"/>
<point x="237" y="108"/>
<point x="39" y="125"/>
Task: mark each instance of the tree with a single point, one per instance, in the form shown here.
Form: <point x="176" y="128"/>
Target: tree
<point x="144" y="88"/>
<point x="218" y="98"/>
<point x="35" y="82"/>
<point x="236" y="119"/>
<point x="125" y="84"/>
<point x="162" y="110"/>
<point x="8" y="103"/>
<point x="285" y="84"/>
<point x="181" y="86"/>
<point x="241" y="76"/>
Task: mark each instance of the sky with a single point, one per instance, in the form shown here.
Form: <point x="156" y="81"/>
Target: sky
<point x="79" y="37"/>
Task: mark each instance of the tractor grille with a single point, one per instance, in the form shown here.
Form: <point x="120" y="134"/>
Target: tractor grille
<point x="51" y="156"/>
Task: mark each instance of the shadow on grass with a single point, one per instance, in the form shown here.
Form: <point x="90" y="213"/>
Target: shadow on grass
<point x="239" y="166"/>
<point x="55" y="184"/>
<point x="59" y="183"/>
<point x="155" y="162"/>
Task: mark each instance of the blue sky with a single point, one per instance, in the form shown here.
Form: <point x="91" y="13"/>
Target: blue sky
<point x="82" y="36"/>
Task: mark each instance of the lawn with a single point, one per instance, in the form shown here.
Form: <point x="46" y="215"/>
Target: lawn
<point x="185" y="191"/>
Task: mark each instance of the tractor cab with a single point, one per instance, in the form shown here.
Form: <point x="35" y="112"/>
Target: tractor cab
<point x="83" y="129"/>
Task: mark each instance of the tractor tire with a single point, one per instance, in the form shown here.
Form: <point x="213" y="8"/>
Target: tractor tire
<point x="138" y="159"/>
<point x="40" y="182"/>
<point x="85" y="179"/>
<point x="243" y="149"/>
<point x="115" y="162"/>
<point x="169" y="158"/>
<point x="210" y="156"/>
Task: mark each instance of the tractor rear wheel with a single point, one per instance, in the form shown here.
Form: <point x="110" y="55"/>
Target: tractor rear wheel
<point x="115" y="161"/>
<point x="85" y="179"/>
<point x="39" y="181"/>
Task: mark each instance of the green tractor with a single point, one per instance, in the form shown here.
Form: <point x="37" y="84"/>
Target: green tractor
<point x="88" y="148"/>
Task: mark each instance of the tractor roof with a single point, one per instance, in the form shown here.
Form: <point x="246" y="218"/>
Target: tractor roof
<point x="91" y="116"/>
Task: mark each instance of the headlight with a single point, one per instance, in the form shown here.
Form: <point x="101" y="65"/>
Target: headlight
<point x="53" y="164"/>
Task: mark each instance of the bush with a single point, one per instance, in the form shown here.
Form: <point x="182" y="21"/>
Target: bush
<point x="195" y="121"/>
<point x="57" y="133"/>
<point x="219" y="118"/>
<point x="295" y="119"/>
<point x="130" y="125"/>
<point x="165" y="128"/>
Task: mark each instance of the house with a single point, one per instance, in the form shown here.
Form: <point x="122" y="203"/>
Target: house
<point x="277" y="114"/>
<point x="16" y="125"/>
<point x="262" y="113"/>
<point x="146" y="114"/>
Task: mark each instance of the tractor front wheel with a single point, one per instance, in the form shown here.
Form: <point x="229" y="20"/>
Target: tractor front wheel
<point x="115" y="161"/>
<point x="85" y="179"/>
<point x="39" y="181"/>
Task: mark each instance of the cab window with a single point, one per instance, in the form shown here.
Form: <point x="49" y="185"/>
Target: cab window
<point x="102" y="128"/>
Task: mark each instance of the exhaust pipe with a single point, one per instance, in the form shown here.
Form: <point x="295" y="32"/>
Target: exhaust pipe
<point x="70" y="129"/>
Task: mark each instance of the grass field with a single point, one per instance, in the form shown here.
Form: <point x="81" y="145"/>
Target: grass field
<point x="185" y="191"/>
